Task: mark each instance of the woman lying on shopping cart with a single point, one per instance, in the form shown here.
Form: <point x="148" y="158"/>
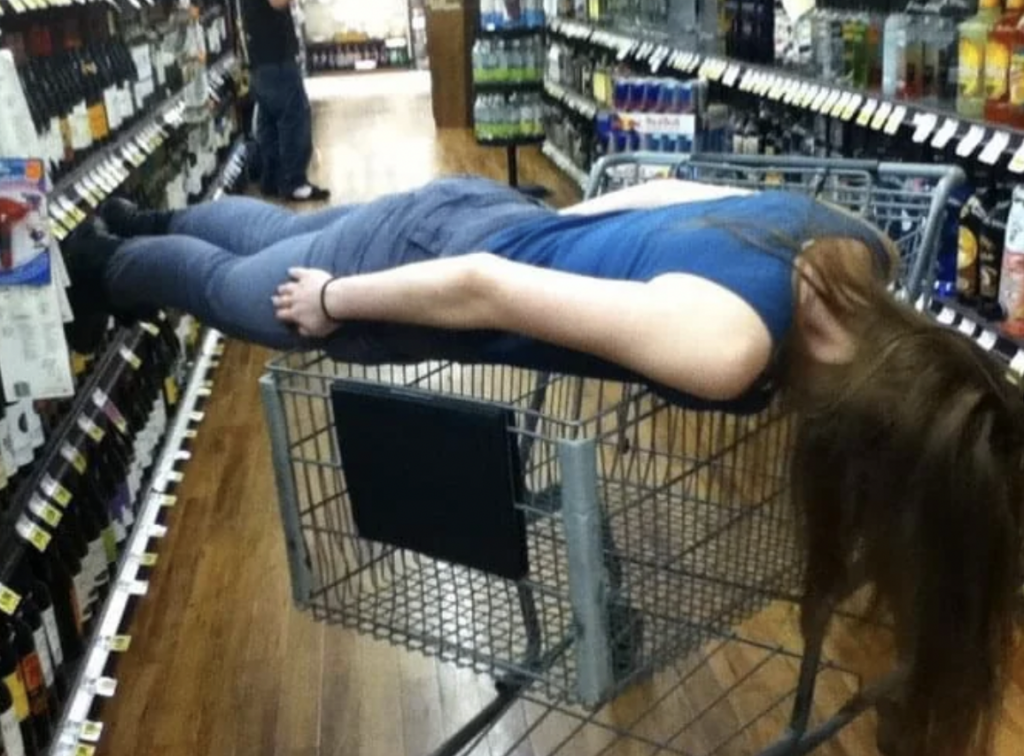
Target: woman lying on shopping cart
<point x="908" y="458"/>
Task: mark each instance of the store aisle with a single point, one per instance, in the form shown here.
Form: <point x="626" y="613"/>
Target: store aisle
<point x="222" y="664"/>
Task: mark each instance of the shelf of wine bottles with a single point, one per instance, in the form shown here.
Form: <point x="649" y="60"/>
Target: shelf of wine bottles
<point x="79" y="77"/>
<point x="66" y="529"/>
<point x="76" y="196"/>
<point x="79" y="529"/>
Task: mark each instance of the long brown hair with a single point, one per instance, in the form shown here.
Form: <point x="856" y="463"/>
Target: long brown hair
<point x="908" y="466"/>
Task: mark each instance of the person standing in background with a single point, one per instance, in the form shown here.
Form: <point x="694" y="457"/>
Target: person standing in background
<point x="284" y="127"/>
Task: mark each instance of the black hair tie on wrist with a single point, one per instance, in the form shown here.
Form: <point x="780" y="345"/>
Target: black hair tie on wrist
<point x="323" y="300"/>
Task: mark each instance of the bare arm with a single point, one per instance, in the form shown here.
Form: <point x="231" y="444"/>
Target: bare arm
<point x="279" y="4"/>
<point x="678" y="330"/>
<point x="657" y="193"/>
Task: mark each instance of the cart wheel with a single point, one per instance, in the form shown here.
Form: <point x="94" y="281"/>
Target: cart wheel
<point x="626" y="628"/>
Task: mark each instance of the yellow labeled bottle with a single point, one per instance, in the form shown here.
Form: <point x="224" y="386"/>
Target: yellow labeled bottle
<point x="973" y="39"/>
<point x="998" y="55"/>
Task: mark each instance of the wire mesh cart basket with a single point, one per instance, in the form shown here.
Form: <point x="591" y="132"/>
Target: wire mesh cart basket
<point x="619" y="565"/>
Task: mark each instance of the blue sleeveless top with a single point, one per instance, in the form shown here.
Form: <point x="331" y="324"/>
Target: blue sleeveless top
<point x="745" y="244"/>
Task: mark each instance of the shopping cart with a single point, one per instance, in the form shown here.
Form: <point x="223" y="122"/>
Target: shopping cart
<point x="617" y="564"/>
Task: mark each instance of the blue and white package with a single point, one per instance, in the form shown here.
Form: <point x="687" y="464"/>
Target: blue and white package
<point x="24" y="224"/>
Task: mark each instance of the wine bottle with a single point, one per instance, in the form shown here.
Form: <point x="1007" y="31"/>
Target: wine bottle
<point x="71" y="555"/>
<point x="43" y="599"/>
<point x="11" y="743"/>
<point x="32" y="618"/>
<point x="20" y="639"/>
<point x="99" y="497"/>
<point x="58" y="602"/>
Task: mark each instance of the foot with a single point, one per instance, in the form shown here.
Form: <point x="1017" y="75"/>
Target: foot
<point x="308" y="193"/>
<point x="87" y="255"/>
<point x="126" y="219"/>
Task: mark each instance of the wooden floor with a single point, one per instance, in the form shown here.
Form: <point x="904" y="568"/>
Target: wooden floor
<point x="223" y="665"/>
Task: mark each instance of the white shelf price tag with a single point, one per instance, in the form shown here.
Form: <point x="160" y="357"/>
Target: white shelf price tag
<point x="89" y="428"/>
<point x="866" y="112"/>
<point x="895" y="120"/>
<point x="1017" y="363"/>
<point x="778" y="88"/>
<point x="945" y="133"/>
<point x="987" y="340"/>
<point x="924" y="124"/>
<point x="970" y="142"/>
<point x="53" y="489"/>
<point x="45" y="511"/>
<point x="32" y="533"/>
<point x="851" y="107"/>
<point x="830" y="101"/>
<point x="995" y="148"/>
<point x="819" y="99"/>
<point x="1017" y="161"/>
<point x="104" y="686"/>
<point x="967" y="327"/>
<point x="73" y="457"/>
<point x="947" y="316"/>
<point x="841" y="103"/>
<point x="880" y="116"/>
<point x="91" y="732"/>
<point x="119" y="643"/>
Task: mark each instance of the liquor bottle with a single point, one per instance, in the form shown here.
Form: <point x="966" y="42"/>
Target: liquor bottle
<point x="972" y="219"/>
<point x="1004" y="38"/>
<point x="11" y="681"/>
<point x="939" y="53"/>
<point x="973" y="39"/>
<point x="990" y="253"/>
<point x="1011" y="283"/>
<point x="20" y="638"/>
<point x="897" y="58"/>
<point x="11" y="743"/>
<point x="946" y="273"/>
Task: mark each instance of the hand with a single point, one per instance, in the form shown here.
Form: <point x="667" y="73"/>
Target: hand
<point x="298" y="302"/>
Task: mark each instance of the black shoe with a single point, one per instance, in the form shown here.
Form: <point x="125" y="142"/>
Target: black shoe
<point x="126" y="220"/>
<point x="308" y="193"/>
<point x="87" y="254"/>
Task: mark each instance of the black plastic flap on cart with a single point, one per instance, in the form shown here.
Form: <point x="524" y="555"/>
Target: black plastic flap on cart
<point x="436" y="474"/>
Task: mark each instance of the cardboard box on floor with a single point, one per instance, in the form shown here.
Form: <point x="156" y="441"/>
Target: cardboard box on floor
<point x="450" y="34"/>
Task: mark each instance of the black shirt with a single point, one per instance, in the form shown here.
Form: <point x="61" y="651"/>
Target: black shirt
<point x="270" y="33"/>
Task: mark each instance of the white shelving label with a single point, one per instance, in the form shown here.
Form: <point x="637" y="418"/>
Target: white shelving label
<point x="945" y="133"/>
<point x="995" y="148"/>
<point x="970" y="142"/>
<point x="924" y="125"/>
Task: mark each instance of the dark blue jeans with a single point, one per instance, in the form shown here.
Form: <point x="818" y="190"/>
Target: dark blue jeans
<point x="284" y="127"/>
<point x="222" y="261"/>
